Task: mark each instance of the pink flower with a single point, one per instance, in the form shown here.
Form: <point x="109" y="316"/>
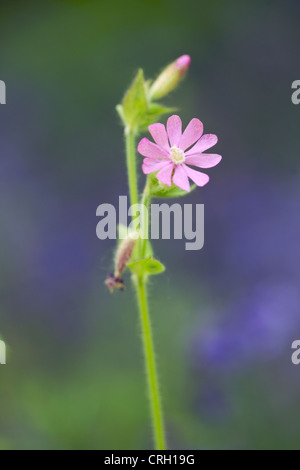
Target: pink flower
<point x="171" y="154"/>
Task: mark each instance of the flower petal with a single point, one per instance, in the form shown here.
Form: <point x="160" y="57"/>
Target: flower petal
<point x="150" y="165"/>
<point x="165" y="174"/>
<point x="204" y="160"/>
<point x="174" y="129"/>
<point x="200" y="179"/>
<point x="151" y="150"/>
<point x="180" y="178"/>
<point x="206" y="142"/>
<point x="159" y="134"/>
<point x="192" y="133"/>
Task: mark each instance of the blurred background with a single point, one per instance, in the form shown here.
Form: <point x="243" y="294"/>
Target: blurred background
<point x="224" y="317"/>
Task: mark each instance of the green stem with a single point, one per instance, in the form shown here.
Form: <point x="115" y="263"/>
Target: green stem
<point x="131" y="165"/>
<point x="141" y="289"/>
<point x="146" y="199"/>
<point x="154" y="395"/>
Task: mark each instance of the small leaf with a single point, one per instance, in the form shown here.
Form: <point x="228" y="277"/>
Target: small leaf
<point x="172" y="192"/>
<point x="119" y="109"/>
<point x="135" y="101"/>
<point x="160" y="190"/>
<point x="154" y="111"/>
<point x="158" y="109"/>
<point x="148" y="266"/>
<point x="148" y="250"/>
<point x="154" y="266"/>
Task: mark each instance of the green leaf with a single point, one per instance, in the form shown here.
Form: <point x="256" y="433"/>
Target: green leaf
<point x="134" y="103"/>
<point x="148" y="250"/>
<point x="160" y="190"/>
<point x="153" y="266"/>
<point x="148" y="266"/>
<point x="154" y="111"/>
<point x="119" y="109"/>
<point x="172" y="192"/>
<point x="157" y="109"/>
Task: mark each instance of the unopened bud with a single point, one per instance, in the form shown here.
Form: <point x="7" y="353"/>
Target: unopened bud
<point x="122" y="258"/>
<point x="170" y="77"/>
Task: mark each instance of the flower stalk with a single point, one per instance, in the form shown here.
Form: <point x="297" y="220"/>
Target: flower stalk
<point x="166" y="165"/>
<point x="140" y="285"/>
<point x="137" y="111"/>
<point x="151" y="369"/>
<point x="130" y="143"/>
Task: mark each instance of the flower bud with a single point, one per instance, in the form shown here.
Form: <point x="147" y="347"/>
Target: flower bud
<point x="170" y="77"/>
<point x="123" y="256"/>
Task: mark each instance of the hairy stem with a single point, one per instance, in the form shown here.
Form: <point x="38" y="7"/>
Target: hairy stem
<point x="146" y="199"/>
<point x="154" y="395"/>
<point x="141" y="290"/>
<point x="131" y="165"/>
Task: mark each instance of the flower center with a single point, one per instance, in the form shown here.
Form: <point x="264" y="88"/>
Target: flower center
<point x="177" y="155"/>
